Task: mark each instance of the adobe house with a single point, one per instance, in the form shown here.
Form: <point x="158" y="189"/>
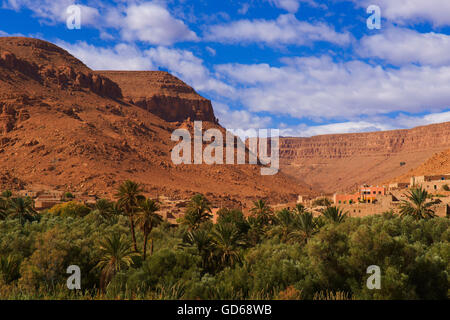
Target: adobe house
<point x="398" y="186"/>
<point x="365" y="194"/>
<point x="431" y="183"/>
<point x="46" y="203"/>
<point x="346" y="198"/>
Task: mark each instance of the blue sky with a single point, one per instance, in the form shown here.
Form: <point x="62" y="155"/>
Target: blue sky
<point x="306" y="67"/>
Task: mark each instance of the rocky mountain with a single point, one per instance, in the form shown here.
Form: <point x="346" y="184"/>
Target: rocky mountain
<point x="341" y="162"/>
<point x="64" y="126"/>
<point x="162" y="94"/>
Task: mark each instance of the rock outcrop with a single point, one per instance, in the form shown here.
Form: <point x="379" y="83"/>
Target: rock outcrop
<point x="162" y="94"/>
<point x="438" y="164"/>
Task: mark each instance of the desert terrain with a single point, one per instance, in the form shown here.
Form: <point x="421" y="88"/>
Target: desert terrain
<point x="66" y="127"/>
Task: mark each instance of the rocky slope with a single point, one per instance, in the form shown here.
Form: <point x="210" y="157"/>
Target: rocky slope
<point x="439" y="163"/>
<point x="340" y="162"/>
<point x="162" y="94"/>
<point x="67" y="127"/>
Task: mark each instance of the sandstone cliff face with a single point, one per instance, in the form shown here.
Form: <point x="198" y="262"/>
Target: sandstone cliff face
<point x="162" y="94"/>
<point x="342" y="162"/>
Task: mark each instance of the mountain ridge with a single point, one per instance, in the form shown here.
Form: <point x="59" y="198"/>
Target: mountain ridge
<point x="342" y="162"/>
<point x="67" y="127"/>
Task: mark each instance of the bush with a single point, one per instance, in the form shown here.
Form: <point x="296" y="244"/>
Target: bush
<point x="323" y="202"/>
<point x="70" y="209"/>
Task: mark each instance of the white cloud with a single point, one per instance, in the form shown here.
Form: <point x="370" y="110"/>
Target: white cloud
<point x="292" y="5"/>
<point x="55" y="11"/>
<point x="239" y="119"/>
<point x="401" y="46"/>
<point x="285" y="30"/>
<point x="211" y="51"/>
<point x="189" y="68"/>
<point x="407" y="121"/>
<point x="148" y="22"/>
<point x="376" y="124"/>
<point x="244" y="8"/>
<point x="406" y="11"/>
<point x="120" y="57"/>
<point x="6" y="34"/>
<point x="182" y="63"/>
<point x="319" y="88"/>
<point x="334" y="128"/>
<point x="152" y="23"/>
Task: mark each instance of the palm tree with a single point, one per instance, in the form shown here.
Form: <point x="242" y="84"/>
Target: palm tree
<point x="104" y="208"/>
<point x="198" y="211"/>
<point x="417" y="205"/>
<point x="285" y="222"/>
<point x="22" y="208"/>
<point x="129" y="194"/>
<point x="227" y="240"/>
<point x="306" y="227"/>
<point x="7" y="194"/>
<point x="147" y="219"/>
<point x="262" y="212"/>
<point x="335" y="214"/>
<point x="116" y="210"/>
<point x="116" y="255"/>
<point x="299" y="208"/>
<point x="202" y="241"/>
<point x="9" y="268"/>
<point x="5" y="202"/>
<point x="3" y="208"/>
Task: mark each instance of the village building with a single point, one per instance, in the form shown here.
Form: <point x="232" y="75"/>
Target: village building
<point x="398" y="186"/>
<point x="431" y="183"/>
<point x="366" y="193"/>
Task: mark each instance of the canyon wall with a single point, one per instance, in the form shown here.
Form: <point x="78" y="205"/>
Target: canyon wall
<point x="341" y="162"/>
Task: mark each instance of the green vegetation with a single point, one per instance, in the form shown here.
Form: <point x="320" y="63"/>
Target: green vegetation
<point x="322" y="202"/>
<point x="417" y="205"/>
<point x="288" y="254"/>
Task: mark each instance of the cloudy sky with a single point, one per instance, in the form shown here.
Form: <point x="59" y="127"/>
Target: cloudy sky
<point x="306" y="67"/>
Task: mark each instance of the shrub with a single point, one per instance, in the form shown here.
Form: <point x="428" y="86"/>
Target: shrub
<point x="70" y="209"/>
<point x="324" y="202"/>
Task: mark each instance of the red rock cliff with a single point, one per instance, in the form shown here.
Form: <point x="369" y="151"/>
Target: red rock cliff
<point x="343" y="161"/>
<point x="162" y="94"/>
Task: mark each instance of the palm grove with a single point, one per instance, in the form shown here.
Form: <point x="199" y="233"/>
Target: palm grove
<point x="126" y="250"/>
